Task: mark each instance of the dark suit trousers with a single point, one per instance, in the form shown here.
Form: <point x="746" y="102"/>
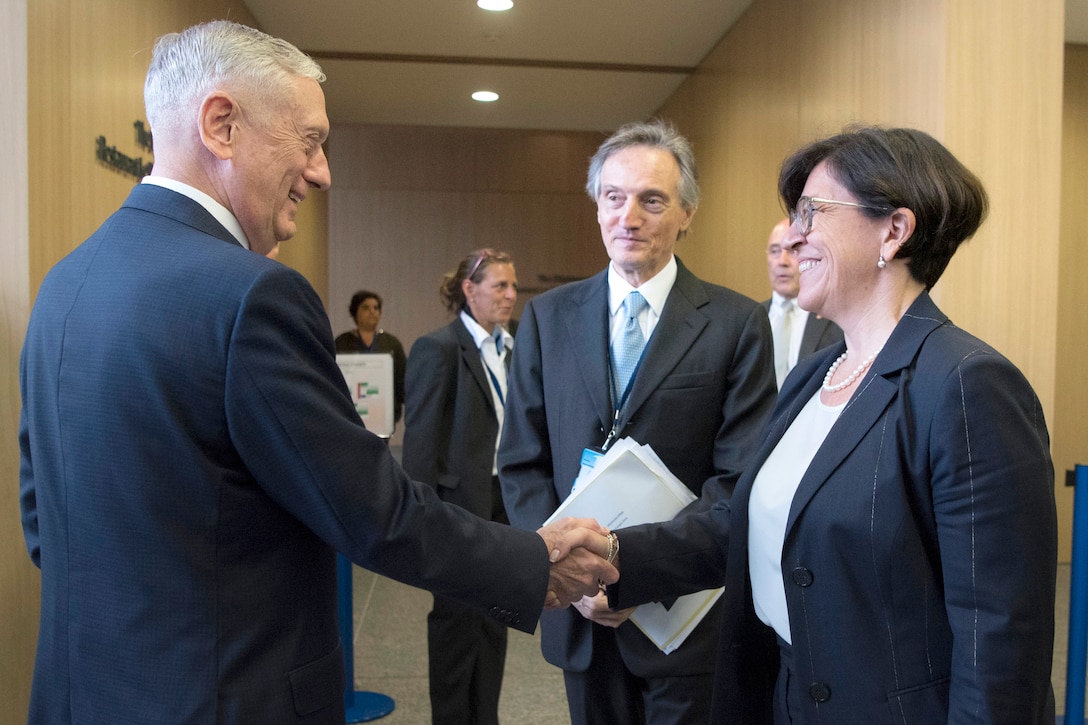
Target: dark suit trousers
<point x="466" y="656"/>
<point x="607" y="693"/>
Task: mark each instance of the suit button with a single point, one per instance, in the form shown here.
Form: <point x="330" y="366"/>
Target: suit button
<point x="802" y="577"/>
<point x="819" y="692"/>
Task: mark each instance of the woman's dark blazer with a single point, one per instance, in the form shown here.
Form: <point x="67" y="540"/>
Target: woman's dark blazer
<point x="451" y="424"/>
<point x="920" y="550"/>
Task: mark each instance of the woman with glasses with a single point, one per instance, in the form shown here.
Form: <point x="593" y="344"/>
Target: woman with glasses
<point x="889" y="556"/>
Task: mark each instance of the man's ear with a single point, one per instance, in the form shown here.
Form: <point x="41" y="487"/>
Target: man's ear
<point x="219" y="115"/>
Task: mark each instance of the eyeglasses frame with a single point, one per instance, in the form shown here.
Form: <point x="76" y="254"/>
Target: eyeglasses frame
<point x="796" y="216"/>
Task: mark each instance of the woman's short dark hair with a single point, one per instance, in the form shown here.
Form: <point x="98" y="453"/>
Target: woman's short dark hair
<point x="471" y="267"/>
<point x="362" y="296"/>
<point x="890" y="168"/>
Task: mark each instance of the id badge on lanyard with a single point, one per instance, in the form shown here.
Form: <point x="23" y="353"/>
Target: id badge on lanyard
<point x="591" y="454"/>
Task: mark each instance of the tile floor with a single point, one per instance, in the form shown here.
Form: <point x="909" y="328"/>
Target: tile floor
<point x="391" y="658"/>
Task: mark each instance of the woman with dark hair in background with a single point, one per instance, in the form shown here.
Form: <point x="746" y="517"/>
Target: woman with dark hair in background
<point x="367" y="337"/>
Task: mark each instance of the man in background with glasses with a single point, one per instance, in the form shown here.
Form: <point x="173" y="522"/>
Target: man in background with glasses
<point x="796" y="332"/>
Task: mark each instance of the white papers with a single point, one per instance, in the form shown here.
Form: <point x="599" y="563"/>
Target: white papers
<point x="630" y="485"/>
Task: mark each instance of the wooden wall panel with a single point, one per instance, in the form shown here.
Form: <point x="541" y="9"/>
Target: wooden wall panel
<point x="788" y="72"/>
<point x="18" y="578"/>
<point x="408" y="203"/>
<point x="1070" y="421"/>
<point x="1003" y="120"/>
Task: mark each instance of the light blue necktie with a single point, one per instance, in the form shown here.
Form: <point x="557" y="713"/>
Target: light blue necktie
<point x="627" y="347"/>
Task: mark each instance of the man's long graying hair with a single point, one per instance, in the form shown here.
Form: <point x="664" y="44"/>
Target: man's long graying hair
<point x="655" y="133"/>
<point x="186" y="66"/>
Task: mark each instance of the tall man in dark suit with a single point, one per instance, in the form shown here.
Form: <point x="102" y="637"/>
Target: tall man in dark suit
<point x="191" y="458"/>
<point x="699" y="395"/>
<point x="455" y="399"/>
<point x="796" y="332"/>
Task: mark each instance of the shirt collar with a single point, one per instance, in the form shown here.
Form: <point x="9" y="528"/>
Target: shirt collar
<point x="655" y="290"/>
<point x="479" y="334"/>
<point x="217" y="210"/>
<point x="777" y="300"/>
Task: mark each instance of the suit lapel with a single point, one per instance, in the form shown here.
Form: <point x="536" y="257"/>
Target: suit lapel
<point x="875" y="393"/>
<point x="587" y="327"/>
<point x="814" y="326"/>
<point x="471" y="355"/>
<point x="814" y="330"/>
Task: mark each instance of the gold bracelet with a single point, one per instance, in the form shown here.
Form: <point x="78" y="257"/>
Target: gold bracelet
<point x="613" y="546"/>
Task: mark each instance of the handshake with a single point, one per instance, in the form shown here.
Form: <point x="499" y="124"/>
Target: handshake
<point x="584" y="557"/>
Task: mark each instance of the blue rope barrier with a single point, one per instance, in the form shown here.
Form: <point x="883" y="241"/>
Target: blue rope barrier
<point x="1078" y="605"/>
<point x="359" y="706"/>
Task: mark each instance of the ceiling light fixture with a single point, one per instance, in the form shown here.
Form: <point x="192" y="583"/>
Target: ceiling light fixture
<point x="495" y="5"/>
<point x="485" y="96"/>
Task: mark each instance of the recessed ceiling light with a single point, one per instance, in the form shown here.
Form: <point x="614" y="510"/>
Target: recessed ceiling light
<point x="495" y="5"/>
<point x="485" y="96"/>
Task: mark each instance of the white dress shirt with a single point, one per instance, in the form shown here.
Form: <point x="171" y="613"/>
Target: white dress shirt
<point x="217" y="210"/>
<point x="655" y="290"/>
<point x="769" y="508"/>
<point x="494" y="363"/>
<point x="797" y="329"/>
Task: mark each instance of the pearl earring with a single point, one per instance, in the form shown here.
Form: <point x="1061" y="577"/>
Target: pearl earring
<point x="880" y="263"/>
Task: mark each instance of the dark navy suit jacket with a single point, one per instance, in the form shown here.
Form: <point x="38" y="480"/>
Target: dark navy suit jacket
<point x="450" y="424"/>
<point x="191" y="461"/>
<point x="920" y="549"/>
<point x="700" y="399"/>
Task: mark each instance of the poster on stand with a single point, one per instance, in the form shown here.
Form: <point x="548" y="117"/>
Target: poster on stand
<point x="370" y="379"/>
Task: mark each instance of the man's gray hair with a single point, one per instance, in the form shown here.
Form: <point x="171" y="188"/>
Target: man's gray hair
<point x="655" y="133"/>
<point x="186" y="66"/>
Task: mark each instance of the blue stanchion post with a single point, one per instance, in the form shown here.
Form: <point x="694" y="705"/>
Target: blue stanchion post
<point x="1077" y="652"/>
<point x="359" y="706"/>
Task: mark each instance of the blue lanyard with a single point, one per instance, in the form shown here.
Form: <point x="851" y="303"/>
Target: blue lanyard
<point x="623" y="398"/>
<point x="494" y="381"/>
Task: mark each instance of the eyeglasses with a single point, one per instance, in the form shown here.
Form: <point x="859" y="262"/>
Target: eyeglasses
<point x="806" y="209"/>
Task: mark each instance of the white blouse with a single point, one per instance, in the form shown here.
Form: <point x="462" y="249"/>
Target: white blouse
<point x="769" y="508"/>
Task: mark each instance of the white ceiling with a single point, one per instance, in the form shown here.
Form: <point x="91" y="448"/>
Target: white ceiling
<point x="556" y="64"/>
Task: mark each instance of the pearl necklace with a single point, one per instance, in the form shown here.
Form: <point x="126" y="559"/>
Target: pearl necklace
<point x="829" y="388"/>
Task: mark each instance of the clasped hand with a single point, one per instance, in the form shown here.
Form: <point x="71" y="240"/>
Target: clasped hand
<point x="578" y="549"/>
